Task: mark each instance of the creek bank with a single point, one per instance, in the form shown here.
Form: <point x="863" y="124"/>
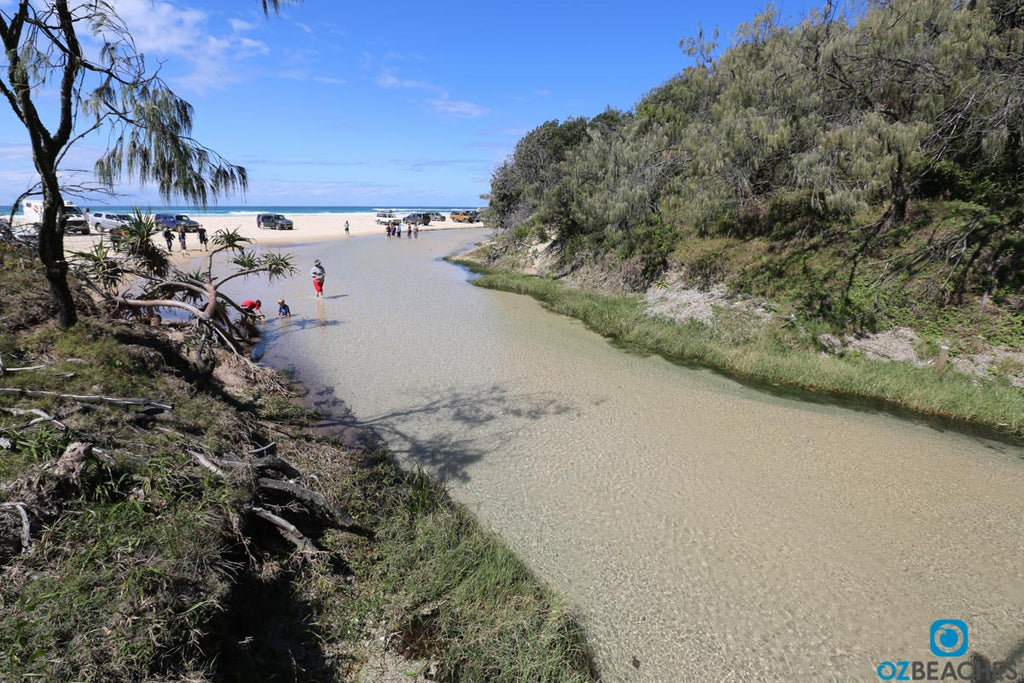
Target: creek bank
<point x="673" y="298"/>
<point x="202" y="532"/>
<point x="744" y="337"/>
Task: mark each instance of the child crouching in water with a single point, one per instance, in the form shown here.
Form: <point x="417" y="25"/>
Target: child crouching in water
<point x="283" y="311"/>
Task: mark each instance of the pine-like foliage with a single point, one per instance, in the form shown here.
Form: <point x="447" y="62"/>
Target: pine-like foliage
<point x="839" y="122"/>
<point x="71" y="70"/>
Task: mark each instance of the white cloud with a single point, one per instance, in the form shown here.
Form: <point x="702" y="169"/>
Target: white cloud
<point x="164" y="30"/>
<point x="388" y="79"/>
<point x="458" y="109"/>
<point x="15" y="152"/>
<point x="161" y="28"/>
<point x="239" y="25"/>
<point x="303" y="75"/>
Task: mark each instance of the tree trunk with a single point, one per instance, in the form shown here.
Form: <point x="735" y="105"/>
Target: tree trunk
<point x="900" y="193"/>
<point x="51" y="252"/>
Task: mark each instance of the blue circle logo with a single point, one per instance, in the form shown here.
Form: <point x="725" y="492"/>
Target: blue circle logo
<point x="948" y="638"/>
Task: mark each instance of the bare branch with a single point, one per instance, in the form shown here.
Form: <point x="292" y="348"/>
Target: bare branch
<point x="85" y="398"/>
<point x="287" y="530"/>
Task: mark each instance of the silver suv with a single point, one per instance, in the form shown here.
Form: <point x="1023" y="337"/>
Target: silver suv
<point x="103" y="221"/>
<point x="273" y="221"/>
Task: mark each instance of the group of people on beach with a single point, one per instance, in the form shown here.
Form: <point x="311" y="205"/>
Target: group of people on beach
<point x="169" y="238"/>
<point x="254" y="307"/>
<point x="395" y="230"/>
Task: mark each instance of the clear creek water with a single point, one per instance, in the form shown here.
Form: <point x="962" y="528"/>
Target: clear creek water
<point x="703" y="530"/>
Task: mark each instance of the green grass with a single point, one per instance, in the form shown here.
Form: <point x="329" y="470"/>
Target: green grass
<point x="114" y="588"/>
<point x="149" y="568"/>
<point x="778" y="356"/>
<point x="456" y="595"/>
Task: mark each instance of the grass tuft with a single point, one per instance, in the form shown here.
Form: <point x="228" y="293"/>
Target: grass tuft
<point x="779" y="356"/>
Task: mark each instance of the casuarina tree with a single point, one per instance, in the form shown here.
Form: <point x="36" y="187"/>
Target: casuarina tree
<point x="71" y="69"/>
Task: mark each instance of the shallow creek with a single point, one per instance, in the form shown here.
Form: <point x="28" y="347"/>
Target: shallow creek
<point x="704" y="530"/>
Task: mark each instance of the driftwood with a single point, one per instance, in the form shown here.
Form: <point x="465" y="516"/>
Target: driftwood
<point x="254" y="451"/>
<point x="311" y="498"/>
<point x="287" y="530"/>
<point x="267" y="462"/>
<point x="41" y="416"/>
<point x="207" y="463"/>
<point x="4" y="370"/>
<point x="31" y="367"/>
<point x="85" y="398"/>
<point x="315" y="503"/>
<point x="26" y="527"/>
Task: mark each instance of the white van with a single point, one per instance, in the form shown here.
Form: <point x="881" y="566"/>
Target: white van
<point x="76" y="221"/>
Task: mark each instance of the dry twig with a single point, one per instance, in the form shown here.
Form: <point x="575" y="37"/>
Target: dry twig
<point x="41" y="416"/>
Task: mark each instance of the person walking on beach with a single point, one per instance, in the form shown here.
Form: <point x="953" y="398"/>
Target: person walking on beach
<point x="201" y="232"/>
<point x="181" y="239"/>
<point x="346" y="228"/>
<point x="416" y="231"/>
<point x="283" y="310"/>
<point x="318" y="273"/>
<point x="169" y="238"/>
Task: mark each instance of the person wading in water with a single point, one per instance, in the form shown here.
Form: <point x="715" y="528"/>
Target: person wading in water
<point x="318" y="273"/>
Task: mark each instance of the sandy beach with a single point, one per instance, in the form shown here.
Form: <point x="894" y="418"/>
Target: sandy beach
<point x="308" y="228"/>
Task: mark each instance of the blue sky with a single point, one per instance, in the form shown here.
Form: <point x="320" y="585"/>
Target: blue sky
<point x="408" y="103"/>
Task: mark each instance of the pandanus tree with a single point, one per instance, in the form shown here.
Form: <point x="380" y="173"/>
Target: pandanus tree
<point x="70" y="69"/>
<point x="138" y="279"/>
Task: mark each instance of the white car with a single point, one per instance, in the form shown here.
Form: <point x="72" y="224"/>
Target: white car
<point x="103" y="221"/>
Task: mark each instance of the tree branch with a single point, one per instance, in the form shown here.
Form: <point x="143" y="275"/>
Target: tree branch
<point x="287" y="530"/>
<point x="84" y="398"/>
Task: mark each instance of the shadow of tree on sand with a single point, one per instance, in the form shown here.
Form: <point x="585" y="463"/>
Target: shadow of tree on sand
<point x="985" y="670"/>
<point x="446" y="434"/>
